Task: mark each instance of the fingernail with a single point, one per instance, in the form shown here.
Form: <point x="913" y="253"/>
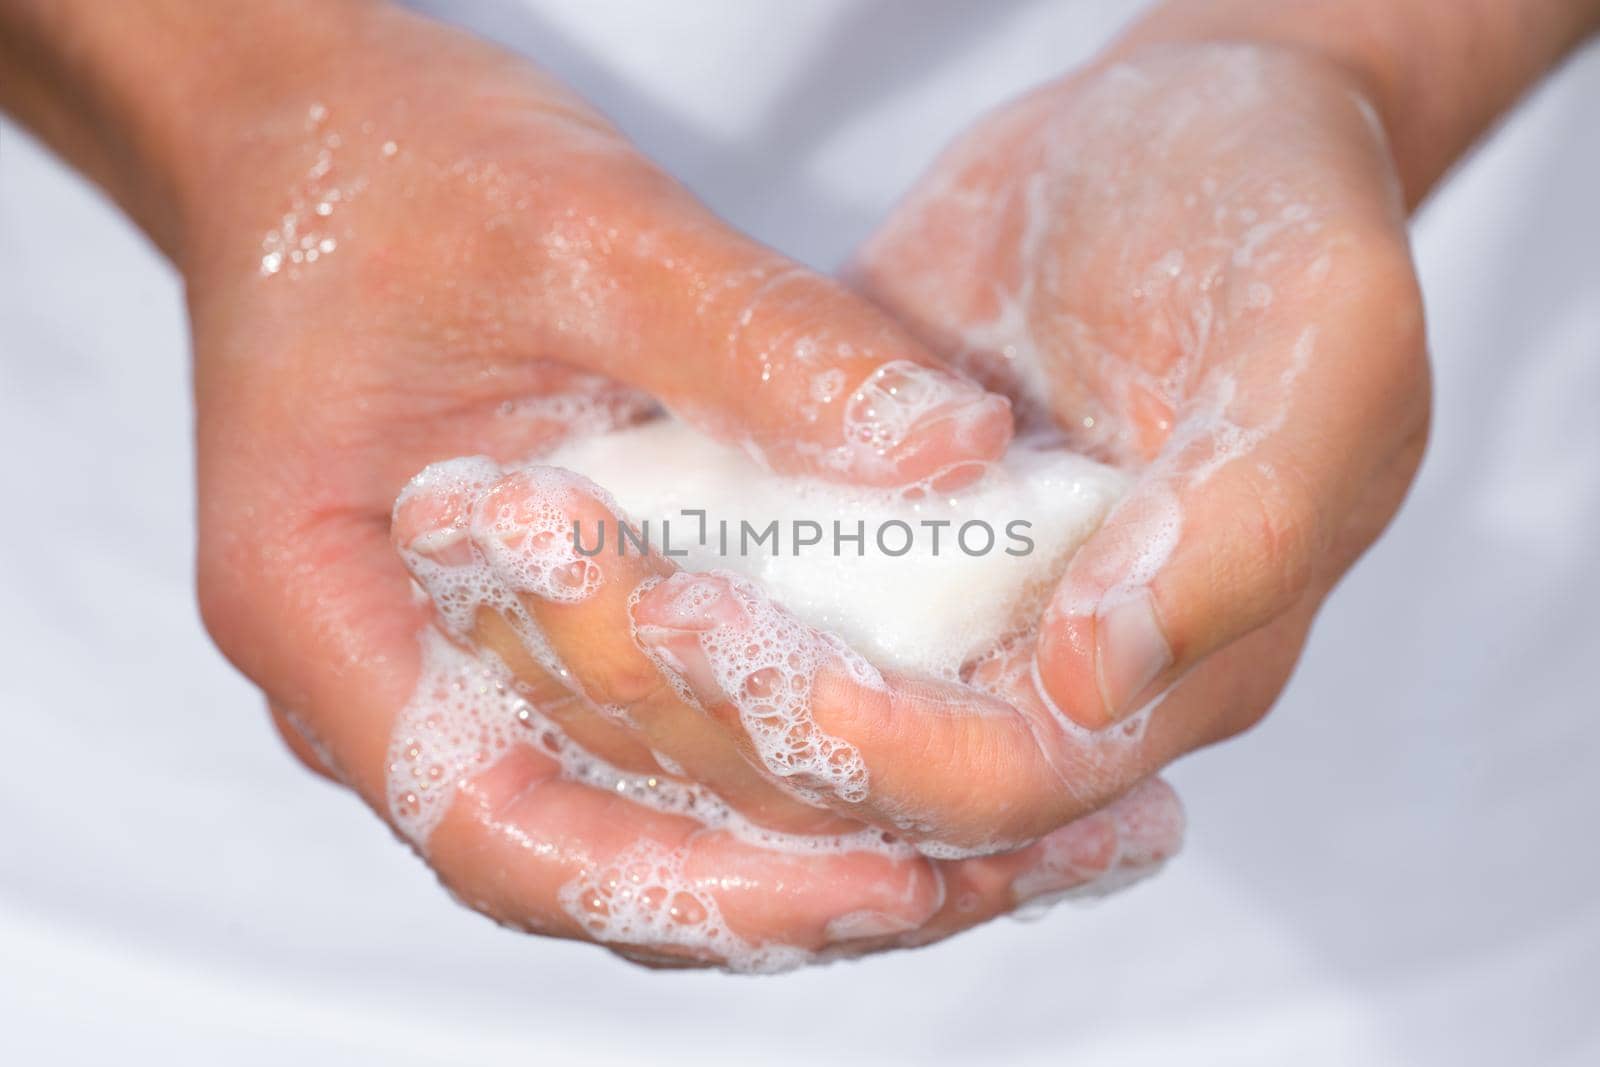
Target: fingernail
<point x="524" y="527"/>
<point x="1150" y="824"/>
<point x="949" y="479"/>
<point x="911" y="421"/>
<point x="432" y="513"/>
<point x="1131" y="652"/>
<point x="1068" y="858"/>
<point x="978" y="428"/>
<point x="668" y="621"/>
<point x="1109" y="850"/>
<point x="678" y="656"/>
<point x="867" y="923"/>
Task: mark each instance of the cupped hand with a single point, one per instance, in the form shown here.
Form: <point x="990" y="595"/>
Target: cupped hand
<point x="431" y="252"/>
<point x="1191" y="259"/>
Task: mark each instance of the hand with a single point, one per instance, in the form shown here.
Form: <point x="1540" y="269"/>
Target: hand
<point x="1196" y="353"/>
<point x="549" y="677"/>
<point x="436" y="252"/>
<point x="1192" y="259"/>
<point x="444" y="254"/>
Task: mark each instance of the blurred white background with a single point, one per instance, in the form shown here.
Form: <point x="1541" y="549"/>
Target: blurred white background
<point x="1399" y="867"/>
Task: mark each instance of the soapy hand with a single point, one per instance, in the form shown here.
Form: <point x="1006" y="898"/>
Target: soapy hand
<point x="437" y="252"/>
<point x="402" y="245"/>
<point x="594" y="750"/>
<point x="1191" y="259"/>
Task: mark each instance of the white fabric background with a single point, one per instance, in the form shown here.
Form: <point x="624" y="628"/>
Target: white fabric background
<point x="1399" y="867"/>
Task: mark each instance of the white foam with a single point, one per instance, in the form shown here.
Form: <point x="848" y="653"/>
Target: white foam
<point x="467" y="711"/>
<point x="765" y="662"/>
<point x="643" y="898"/>
<point x="461" y="718"/>
<point x="930" y="610"/>
<point x="524" y="529"/>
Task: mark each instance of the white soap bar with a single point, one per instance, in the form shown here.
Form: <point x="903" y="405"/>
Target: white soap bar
<point x="933" y="581"/>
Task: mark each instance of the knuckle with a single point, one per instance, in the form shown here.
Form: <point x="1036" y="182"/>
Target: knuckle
<point x="776" y="311"/>
<point x="1285" y="529"/>
<point x="1381" y="284"/>
<point x="219" y="593"/>
<point x="632" y="682"/>
<point x="1384" y="296"/>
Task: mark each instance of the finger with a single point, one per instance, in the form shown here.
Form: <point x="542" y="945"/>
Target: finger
<point x="649" y="288"/>
<point x="952" y="261"/>
<point x="539" y="851"/>
<point x="1102" y="852"/>
<point x="351" y="660"/>
<point x="498" y="554"/>
<point x="523" y="526"/>
<point x="957" y="769"/>
<point x="301" y="743"/>
<point x="432" y="532"/>
<point x="1225" y="529"/>
<point x="518" y="820"/>
<point x="757" y="696"/>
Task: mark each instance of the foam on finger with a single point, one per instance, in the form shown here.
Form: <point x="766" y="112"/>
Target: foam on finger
<point x="478" y="538"/>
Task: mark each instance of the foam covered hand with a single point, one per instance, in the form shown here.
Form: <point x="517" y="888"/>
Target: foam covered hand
<point x="419" y="249"/>
<point x="1192" y="259"/>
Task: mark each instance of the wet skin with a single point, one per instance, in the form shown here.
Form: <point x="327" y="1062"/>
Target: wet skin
<point x="402" y="245"/>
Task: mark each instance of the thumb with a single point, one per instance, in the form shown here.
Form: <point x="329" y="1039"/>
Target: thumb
<point x="1234" y="521"/>
<point x="751" y="347"/>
